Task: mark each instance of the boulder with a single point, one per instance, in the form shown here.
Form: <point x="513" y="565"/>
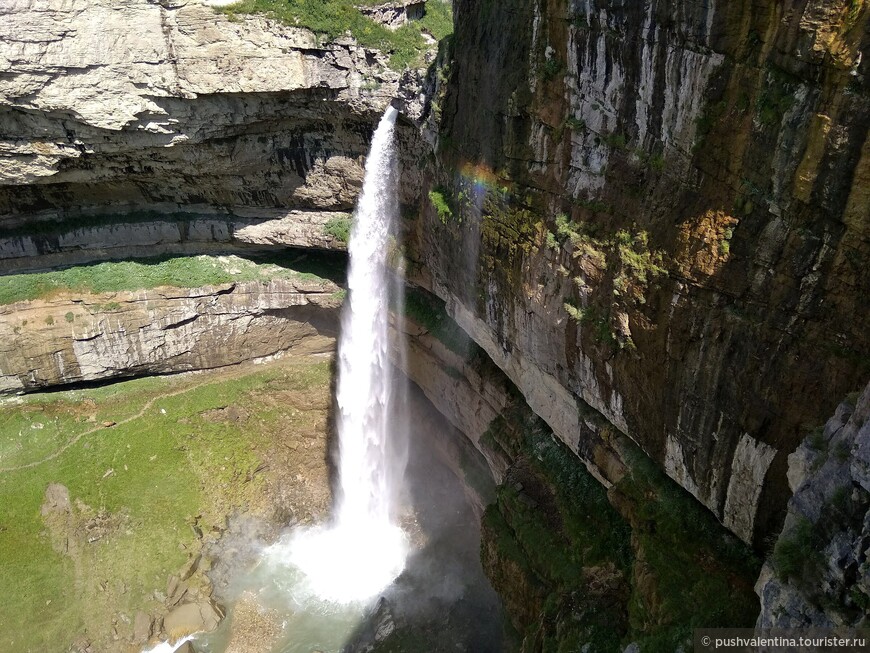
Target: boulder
<point x="141" y="627"/>
<point x="201" y="616"/>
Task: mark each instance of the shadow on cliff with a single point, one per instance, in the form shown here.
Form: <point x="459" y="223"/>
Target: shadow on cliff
<point x="442" y="602"/>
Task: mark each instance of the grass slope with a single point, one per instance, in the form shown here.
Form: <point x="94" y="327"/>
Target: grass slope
<point x="178" y="271"/>
<point x="172" y="467"/>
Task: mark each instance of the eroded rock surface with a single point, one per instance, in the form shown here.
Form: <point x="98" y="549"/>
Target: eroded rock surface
<point x="185" y="233"/>
<point x="819" y="573"/>
<point x="658" y="212"/>
<point x="187" y="108"/>
<point x="83" y="337"/>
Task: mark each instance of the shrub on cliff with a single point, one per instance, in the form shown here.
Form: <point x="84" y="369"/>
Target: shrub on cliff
<point x="338" y="228"/>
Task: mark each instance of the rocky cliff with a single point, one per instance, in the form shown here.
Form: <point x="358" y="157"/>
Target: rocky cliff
<point x="577" y="565"/>
<point x="658" y="211"/>
<point x="188" y="109"/>
<point x="819" y="573"/>
<point x="78" y="337"/>
<point x="152" y="234"/>
<point x="651" y="218"/>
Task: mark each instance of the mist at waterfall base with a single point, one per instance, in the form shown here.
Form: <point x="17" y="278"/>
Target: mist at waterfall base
<point x="363" y="550"/>
<point x="324" y="582"/>
<point x="442" y="601"/>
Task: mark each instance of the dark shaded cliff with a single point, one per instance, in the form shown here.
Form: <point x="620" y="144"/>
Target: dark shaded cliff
<point x="659" y="210"/>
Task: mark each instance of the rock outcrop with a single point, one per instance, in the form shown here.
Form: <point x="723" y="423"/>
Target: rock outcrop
<point x="819" y="573"/>
<point x="244" y="230"/>
<point x="80" y="337"/>
<point x="658" y="211"/>
<point x="190" y="618"/>
<point x="188" y="108"/>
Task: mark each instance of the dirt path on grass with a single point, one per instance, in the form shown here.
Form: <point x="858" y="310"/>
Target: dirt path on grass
<point x="212" y="376"/>
<point x="287" y="404"/>
<point x="101" y="427"/>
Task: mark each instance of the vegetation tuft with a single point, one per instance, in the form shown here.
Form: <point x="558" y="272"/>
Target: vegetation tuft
<point x="798" y="556"/>
<point x="666" y="559"/>
<point x="428" y="311"/>
<point x="438" y="198"/>
<point x="333" y="18"/>
<point x="691" y="576"/>
<point x="339" y="228"/>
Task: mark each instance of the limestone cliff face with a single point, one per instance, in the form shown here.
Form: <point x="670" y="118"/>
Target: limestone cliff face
<point x="84" y="337"/>
<point x="131" y="105"/>
<point x="577" y="566"/>
<point x="659" y="210"/>
<point x="819" y="573"/>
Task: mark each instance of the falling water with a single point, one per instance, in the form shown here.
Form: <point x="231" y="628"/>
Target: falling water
<point x="364" y="550"/>
<point x="323" y="580"/>
<point x="364" y="368"/>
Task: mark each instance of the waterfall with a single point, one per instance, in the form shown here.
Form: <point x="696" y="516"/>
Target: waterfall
<point x="363" y="551"/>
<point x="364" y="390"/>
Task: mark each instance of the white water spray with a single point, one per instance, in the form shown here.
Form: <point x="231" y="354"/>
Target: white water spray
<point x="364" y="390"/>
<point x="364" y="551"/>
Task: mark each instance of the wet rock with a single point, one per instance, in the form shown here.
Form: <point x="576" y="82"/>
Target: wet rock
<point x="379" y="626"/>
<point x="202" y="616"/>
<point x="239" y="547"/>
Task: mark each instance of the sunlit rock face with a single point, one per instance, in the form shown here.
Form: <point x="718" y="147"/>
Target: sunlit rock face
<point x="80" y="337"/>
<point x="186" y="108"/>
<point x="727" y="141"/>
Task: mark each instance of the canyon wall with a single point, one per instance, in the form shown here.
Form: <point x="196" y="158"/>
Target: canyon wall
<point x="650" y="218"/>
<point x="152" y="235"/>
<point x="658" y="211"/>
<point x="188" y="111"/>
<point x="819" y="572"/>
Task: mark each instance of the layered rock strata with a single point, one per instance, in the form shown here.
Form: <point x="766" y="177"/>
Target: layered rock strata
<point x="189" y="233"/>
<point x="82" y="337"/>
<point x="659" y="212"/>
<point x="577" y="565"/>
<point x="189" y="107"/>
